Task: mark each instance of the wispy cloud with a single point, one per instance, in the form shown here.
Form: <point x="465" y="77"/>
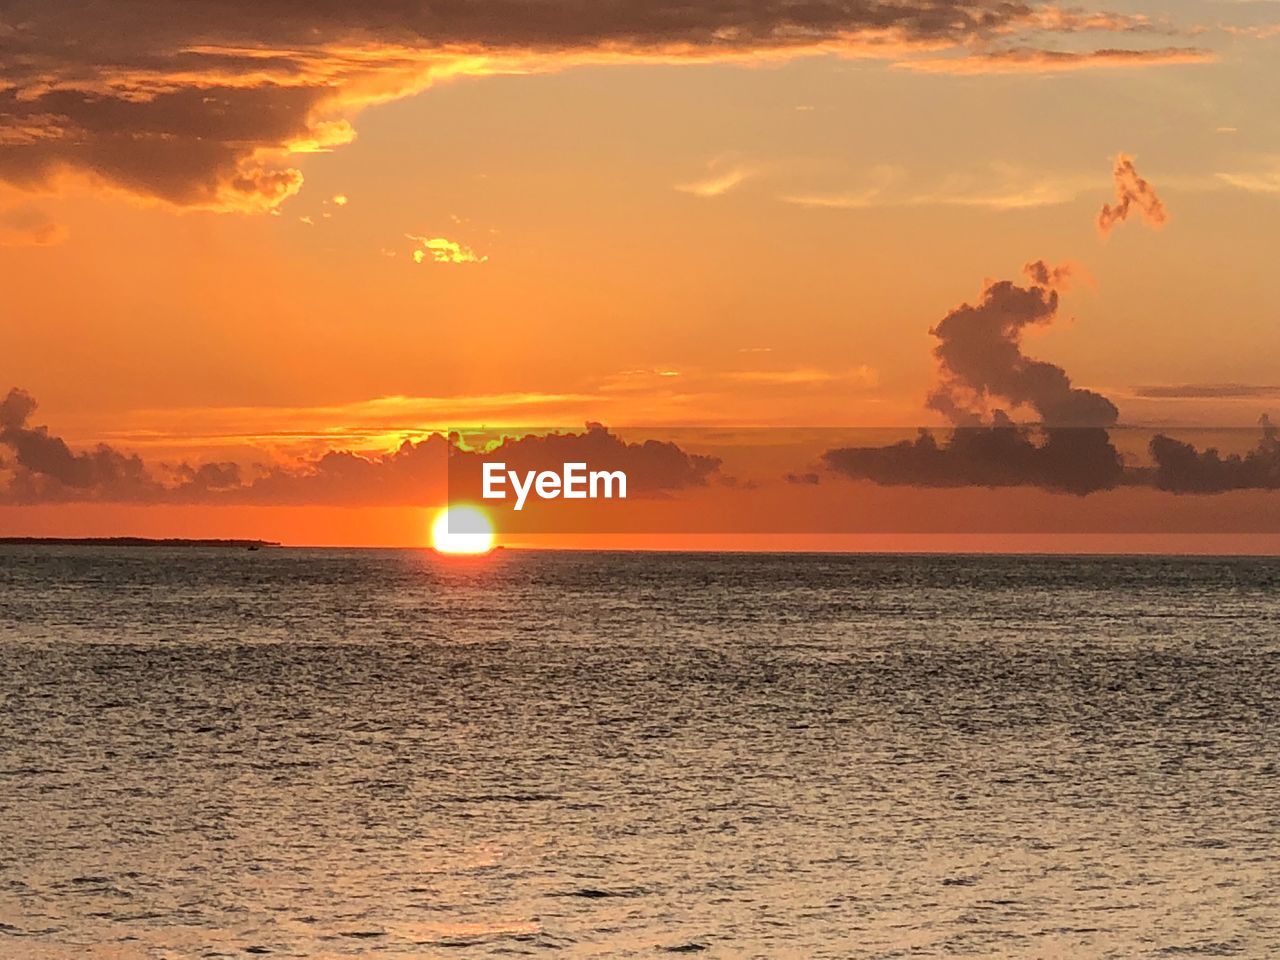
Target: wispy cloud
<point x="1256" y="181"/>
<point x="1258" y="31"/>
<point x="1031" y="60"/>
<point x="379" y="423"/>
<point x="722" y="176"/>
<point x="1207" y="391"/>
<point x="999" y="188"/>
<point x="1054" y="19"/>
<point x="707" y="382"/>
<point x="861" y="376"/>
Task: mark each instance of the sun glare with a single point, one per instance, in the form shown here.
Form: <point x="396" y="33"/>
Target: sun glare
<point x="462" y="529"/>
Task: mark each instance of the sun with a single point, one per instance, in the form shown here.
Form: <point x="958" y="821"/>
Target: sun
<point x="462" y="529"/>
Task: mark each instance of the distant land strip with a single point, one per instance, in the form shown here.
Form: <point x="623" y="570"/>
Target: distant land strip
<point x="133" y="542"/>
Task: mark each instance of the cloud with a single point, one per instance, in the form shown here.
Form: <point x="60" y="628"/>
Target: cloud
<point x="1265" y="181"/>
<point x="1062" y="20"/>
<point x="380" y="422"/>
<point x="27" y="226"/>
<point x="982" y="369"/>
<point x="425" y="471"/>
<point x="1131" y="191"/>
<point x="693" y="390"/>
<point x="1001" y="188"/>
<point x="412" y="474"/>
<point x="1205" y="391"/>
<point x="1181" y="468"/>
<point x="980" y="359"/>
<point x="42" y="468"/>
<point x="440" y="250"/>
<point x="1258" y="31"/>
<point x="653" y="467"/>
<point x="1057" y="278"/>
<point x="211" y="105"/>
<point x="981" y="366"/>
<point x="861" y="376"/>
<point x="1069" y="460"/>
<point x="876" y="188"/>
<point x="208" y="478"/>
<point x="1028" y="60"/>
<point x="45" y="468"/>
<point x="37" y="466"/>
<point x="721" y="177"/>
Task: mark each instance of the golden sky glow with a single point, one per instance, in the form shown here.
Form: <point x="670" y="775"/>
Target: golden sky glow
<point x="329" y="231"/>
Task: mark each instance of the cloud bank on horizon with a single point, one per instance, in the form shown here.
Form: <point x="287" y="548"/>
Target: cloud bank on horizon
<point x="40" y="467"/>
<point x="208" y="104"/>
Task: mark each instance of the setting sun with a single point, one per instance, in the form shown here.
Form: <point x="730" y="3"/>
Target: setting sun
<point x="462" y="529"/>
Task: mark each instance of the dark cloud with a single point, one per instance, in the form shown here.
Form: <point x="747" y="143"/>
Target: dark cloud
<point x="413" y="473"/>
<point x="1057" y="277"/>
<point x="981" y="363"/>
<point x="652" y="466"/>
<point x="15" y="409"/>
<point x="981" y="370"/>
<point x="45" y="468"/>
<point x="37" y="466"/>
<point x="42" y="468"/>
<point x="1131" y="192"/>
<point x="209" y="478"/>
<point x="1070" y="460"/>
<point x="202" y="103"/>
<point x="1181" y="468"/>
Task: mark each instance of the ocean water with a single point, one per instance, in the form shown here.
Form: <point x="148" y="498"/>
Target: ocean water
<point x="388" y="754"/>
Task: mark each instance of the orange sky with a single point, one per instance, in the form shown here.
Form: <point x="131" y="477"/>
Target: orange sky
<point x="254" y="236"/>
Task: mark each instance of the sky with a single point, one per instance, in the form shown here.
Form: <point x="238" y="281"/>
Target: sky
<point x="248" y="252"/>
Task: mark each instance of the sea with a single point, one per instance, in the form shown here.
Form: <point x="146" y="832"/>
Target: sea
<point x="288" y="753"/>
